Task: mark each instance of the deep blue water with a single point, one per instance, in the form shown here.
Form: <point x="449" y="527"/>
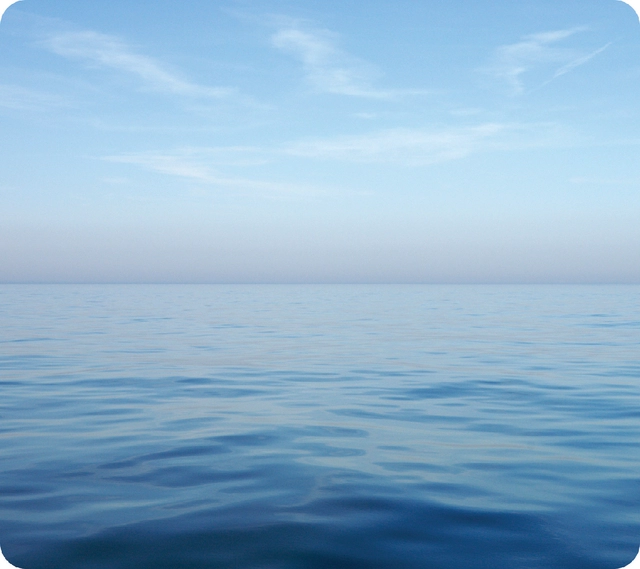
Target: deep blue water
<point x="332" y="427"/>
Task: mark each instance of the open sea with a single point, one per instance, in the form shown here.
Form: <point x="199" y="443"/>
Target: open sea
<point x="320" y="427"/>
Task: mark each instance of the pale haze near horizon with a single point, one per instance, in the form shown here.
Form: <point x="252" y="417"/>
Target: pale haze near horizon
<point x="229" y="141"/>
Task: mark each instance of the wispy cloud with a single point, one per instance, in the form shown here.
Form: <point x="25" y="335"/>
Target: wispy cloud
<point x="402" y="146"/>
<point x="579" y="61"/>
<point x="101" y="50"/>
<point x="18" y="98"/>
<point x="198" y="165"/>
<point x="330" y="69"/>
<point x="511" y="62"/>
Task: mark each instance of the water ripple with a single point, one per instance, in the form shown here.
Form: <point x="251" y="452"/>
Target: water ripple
<point x="315" y="427"/>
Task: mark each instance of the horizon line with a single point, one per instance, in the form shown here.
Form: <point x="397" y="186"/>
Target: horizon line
<point x="319" y="283"/>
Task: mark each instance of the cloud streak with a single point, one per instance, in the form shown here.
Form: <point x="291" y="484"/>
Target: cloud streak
<point x="18" y="98"/>
<point x="403" y="147"/>
<point x="511" y="62"/>
<point x="578" y="62"/>
<point x="423" y="147"/>
<point x="101" y="50"/>
<point x="196" y="165"/>
<point x="328" y="68"/>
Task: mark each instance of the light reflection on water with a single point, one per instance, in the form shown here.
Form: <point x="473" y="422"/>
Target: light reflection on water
<point x="319" y="426"/>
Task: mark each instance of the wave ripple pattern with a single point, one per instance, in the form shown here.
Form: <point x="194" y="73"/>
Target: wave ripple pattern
<point x="282" y="427"/>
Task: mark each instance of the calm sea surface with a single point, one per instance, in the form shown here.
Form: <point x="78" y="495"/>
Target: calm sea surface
<point x="327" y="427"/>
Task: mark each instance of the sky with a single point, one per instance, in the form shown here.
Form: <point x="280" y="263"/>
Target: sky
<point x="386" y="141"/>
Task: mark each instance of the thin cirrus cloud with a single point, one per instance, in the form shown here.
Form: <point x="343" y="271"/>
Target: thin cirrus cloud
<point x="402" y="146"/>
<point x="423" y="147"/>
<point x="578" y="62"/>
<point x="414" y="147"/>
<point x="102" y="50"/>
<point x="512" y="62"/>
<point x="16" y="98"/>
<point x="328" y="68"/>
<point x="407" y="147"/>
<point x="196" y="165"/>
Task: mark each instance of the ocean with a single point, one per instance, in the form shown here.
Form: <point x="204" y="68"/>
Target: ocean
<point x="319" y="426"/>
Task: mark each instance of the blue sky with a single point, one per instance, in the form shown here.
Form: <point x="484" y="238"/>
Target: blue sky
<point x="320" y="141"/>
